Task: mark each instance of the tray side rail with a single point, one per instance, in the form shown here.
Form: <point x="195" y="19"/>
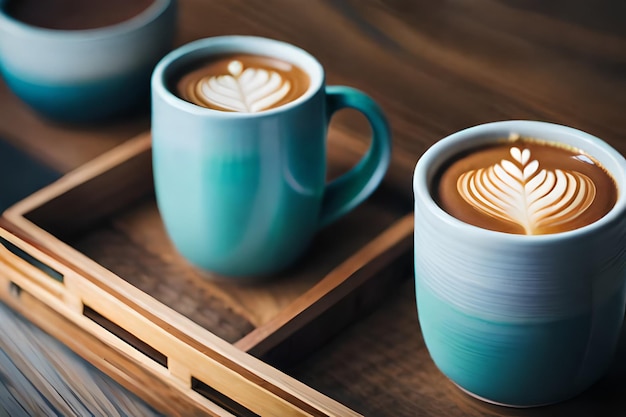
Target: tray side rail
<point x="186" y="358"/>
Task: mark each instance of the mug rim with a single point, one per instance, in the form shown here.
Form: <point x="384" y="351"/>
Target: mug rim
<point x="441" y="151"/>
<point x="143" y="18"/>
<point x="257" y="45"/>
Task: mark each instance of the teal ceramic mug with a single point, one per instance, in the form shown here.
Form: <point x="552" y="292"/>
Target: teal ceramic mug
<point x="519" y="320"/>
<point x="85" y="75"/>
<point x="242" y="194"/>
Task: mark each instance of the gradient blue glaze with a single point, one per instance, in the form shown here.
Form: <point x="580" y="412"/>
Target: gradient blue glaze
<point x="83" y="101"/>
<point x="521" y="364"/>
<point x="242" y="194"/>
<point x="241" y="200"/>
<point x="512" y="319"/>
<point x="87" y="75"/>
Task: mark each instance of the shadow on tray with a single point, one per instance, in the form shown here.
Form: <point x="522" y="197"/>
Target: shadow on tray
<point x="21" y="174"/>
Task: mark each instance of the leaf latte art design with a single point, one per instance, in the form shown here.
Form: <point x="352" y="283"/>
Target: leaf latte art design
<point x="518" y="191"/>
<point x="247" y="90"/>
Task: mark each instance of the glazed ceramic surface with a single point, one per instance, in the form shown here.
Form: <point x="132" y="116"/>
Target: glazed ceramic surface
<point x="242" y="194"/>
<point x="514" y="319"/>
<point x="86" y="75"/>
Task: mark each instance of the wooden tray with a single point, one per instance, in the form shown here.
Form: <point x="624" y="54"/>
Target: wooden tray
<point x="91" y="250"/>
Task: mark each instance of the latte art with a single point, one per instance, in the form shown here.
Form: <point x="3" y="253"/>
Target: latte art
<point x="244" y="90"/>
<point x="517" y="190"/>
<point x="525" y="186"/>
<point x="243" y="83"/>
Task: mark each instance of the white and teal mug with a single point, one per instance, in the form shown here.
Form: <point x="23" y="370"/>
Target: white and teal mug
<point x="242" y="192"/>
<point x="87" y="74"/>
<point x="515" y="319"/>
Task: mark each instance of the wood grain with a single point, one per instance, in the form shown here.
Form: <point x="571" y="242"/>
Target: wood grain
<point x="435" y="67"/>
<point x="189" y="359"/>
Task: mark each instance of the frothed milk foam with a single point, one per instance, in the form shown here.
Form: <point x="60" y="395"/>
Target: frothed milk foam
<point x="243" y="83"/>
<point x="525" y="186"/>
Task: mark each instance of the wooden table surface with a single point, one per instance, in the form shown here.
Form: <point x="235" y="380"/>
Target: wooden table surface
<point x="435" y="67"/>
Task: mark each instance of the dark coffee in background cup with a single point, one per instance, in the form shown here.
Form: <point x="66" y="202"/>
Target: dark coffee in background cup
<point x="75" y="14"/>
<point x="84" y="61"/>
<point x="525" y="186"/>
<point x="242" y="83"/>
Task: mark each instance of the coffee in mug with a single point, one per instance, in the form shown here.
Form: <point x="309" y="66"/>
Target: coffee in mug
<point x="525" y="186"/>
<point x="243" y="83"/>
<point x="239" y="137"/>
<point x="75" y="14"/>
<point x="520" y="259"/>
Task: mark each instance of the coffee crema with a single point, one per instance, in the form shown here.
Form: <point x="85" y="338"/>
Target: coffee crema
<point x="525" y="186"/>
<point x="243" y="83"/>
<point x="75" y="14"/>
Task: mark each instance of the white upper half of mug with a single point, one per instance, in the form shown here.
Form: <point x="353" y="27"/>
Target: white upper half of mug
<point x="73" y="55"/>
<point x="513" y="277"/>
<point x="429" y="164"/>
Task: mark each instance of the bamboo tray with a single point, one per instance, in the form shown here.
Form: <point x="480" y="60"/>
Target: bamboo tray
<point x="87" y="259"/>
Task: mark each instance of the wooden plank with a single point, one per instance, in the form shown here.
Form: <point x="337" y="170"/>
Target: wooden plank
<point x="240" y="377"/>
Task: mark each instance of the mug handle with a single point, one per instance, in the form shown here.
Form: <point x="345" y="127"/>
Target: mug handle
<point x="347" y="191"/>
